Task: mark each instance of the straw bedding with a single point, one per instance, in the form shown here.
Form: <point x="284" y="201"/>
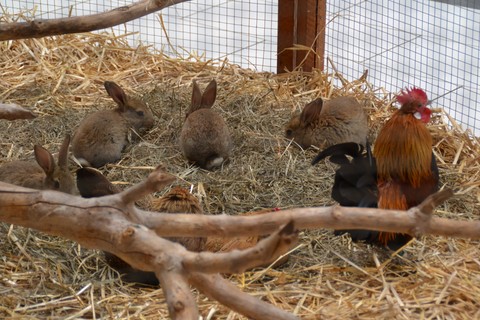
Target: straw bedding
<point x="61" y="79"/>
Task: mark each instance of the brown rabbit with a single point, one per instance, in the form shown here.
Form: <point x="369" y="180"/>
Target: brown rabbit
<point x="103" y="135"/>
<point x="43" y="174"/>
<point x="323" y="124"/>
<point x="91" y="183"/>
<point x="205" y="139"/>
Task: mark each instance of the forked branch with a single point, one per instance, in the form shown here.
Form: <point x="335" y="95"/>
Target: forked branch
<point x="112" y="223"/>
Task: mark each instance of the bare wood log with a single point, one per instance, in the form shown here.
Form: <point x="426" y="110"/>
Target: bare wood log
<point x="42" y="27"/>
<point x="43" y="210"/>
<point x="110" y="225"/>
<point x="114" y="224"/>
<point x="335" y="217"/>
<point x="25" y="207"/>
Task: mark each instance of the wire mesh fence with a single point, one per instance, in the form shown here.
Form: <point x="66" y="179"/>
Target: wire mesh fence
<point x="431" y="44"/>
<point x="244" y="32"/>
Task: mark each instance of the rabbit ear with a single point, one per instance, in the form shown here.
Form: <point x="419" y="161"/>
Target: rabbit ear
<point x="45" y="160"/>
<point x="63" y="153"/>
<point x="117" y="94"/>
<point x="205" y="100"/>
<point x="311" y="111"/>
<point x="209" y="95"/>
<point x="196" y="96"/>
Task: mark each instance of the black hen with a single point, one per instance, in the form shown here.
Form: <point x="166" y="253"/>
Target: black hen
<point x="91" y="183"/>
<point x="355" y="185"/>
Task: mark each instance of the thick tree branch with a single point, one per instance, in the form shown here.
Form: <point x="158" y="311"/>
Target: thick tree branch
<point x="25" y="207"/>
<point x="266" y="251"/>
<point x="180" y="300"/>
<point x="219" y="289"/>
<point x="40" y="28"/>
<point x="112" y="223"/>
<point x="335" y="217"/>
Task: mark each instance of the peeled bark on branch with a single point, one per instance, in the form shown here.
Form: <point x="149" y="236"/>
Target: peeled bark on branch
<point x="217" y="288"/>
<point x="41" y="27"/>
<point x="413" y="221"/>
<point x="113" y="223"/>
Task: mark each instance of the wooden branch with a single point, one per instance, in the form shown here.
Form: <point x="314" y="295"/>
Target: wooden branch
<point x="107" y="223"/>
<point x="180" y="300"/>
<point x="217" y="288"/>
<point x="265" y="251"/>
<point x="112" y="223"/>
<point x="41" y="27"/>
<point x="38" y="204"/>
<point x="157" y="180"/>
<point x="335" y="217"/>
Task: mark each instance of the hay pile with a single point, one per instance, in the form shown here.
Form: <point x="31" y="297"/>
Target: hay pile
<point x="61" y="78"/>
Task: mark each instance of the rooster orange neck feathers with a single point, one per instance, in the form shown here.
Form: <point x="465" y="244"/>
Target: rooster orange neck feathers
<point x="403" y="151"/>
<point x="404" y="145"/>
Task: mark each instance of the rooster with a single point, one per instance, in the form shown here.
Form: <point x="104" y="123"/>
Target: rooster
<point x="400" y="174"/>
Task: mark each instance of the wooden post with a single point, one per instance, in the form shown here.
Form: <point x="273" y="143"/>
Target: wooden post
<point x="301" y="22"/>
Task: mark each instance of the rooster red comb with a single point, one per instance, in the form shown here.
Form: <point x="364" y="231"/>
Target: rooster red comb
<point x="410" y="95"/>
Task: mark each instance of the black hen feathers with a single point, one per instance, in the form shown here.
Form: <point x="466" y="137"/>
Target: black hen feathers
<point x="355" y="185"/>
<point x="91" y="183"/>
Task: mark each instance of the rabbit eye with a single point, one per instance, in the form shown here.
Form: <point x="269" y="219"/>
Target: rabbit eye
<point x="56" y="184"/>
<point x="288" y="133"/>
<point x="140" y="113"/>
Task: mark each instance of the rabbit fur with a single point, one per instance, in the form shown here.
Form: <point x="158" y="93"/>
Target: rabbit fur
<point x="42" y="174"/>
<point x="103" y="135"/>
<point x="325" y="123"/>
<point x="205" y="138"/>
